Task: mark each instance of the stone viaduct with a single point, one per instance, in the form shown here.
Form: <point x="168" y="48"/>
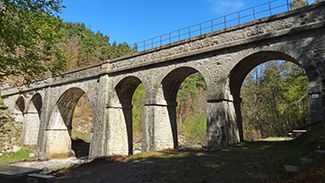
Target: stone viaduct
<point x="224" y="58"/>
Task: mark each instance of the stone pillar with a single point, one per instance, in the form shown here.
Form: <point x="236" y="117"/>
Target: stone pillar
<point x="44" y="118"/>
<point x="31" y="128"/>
<point x="57" y="137"/>
<point x="222" y="127"/>
<point x="317" y="101"/>
<point x="119" y="130"/>
<point x="160" y="126"/>
<point x="98" y="144"/>
<point x="239" y="119"/>
<point x="18" y="116"/>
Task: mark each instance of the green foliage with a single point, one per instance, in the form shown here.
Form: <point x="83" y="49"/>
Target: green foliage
<point x="194" y="129"/>
<point x="28" y="37"/>
<point x="34" y="41"/>
<point x="190" y="96"/>
<point x="21" y="155"/>
<point x="191" y="109"/>
<point x="86" y="136"/>
<point x="275" y="100"/>
<point x="9" y="130"/>
<point x="191" y="120"/>
<point x="138" y="102"/>
<point x="298" y="4"/>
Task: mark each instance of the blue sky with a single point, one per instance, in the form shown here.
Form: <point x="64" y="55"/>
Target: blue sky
<point x="132" y="21"/>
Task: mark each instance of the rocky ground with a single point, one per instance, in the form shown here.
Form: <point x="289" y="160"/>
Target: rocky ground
<point x="299" y="160"/>
<point x="234" y="164"/>
<point x="51" y="166"/>
<point x="289" y="161"/>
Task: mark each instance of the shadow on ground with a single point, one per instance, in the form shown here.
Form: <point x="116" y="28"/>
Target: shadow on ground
<point x="245" y="162"/>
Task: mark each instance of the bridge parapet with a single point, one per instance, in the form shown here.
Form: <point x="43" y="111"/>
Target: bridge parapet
<point x="273" y="26"/>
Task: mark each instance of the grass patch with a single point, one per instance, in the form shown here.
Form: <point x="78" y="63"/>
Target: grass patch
<point x="86" y="136"/>
<point x="194" y="129"/>
<point x="22" y="155"/>
<point x="274" y="139"/>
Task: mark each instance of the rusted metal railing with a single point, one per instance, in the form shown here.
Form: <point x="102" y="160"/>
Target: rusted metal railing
<point x="219" y="23"/>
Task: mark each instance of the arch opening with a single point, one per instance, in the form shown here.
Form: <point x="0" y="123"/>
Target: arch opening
<point x="185" y="93"/>
<point x="32" y="120"/>
<point x="19" y="109"/>
<point x="273" y="99"/>
<point x="68" y="132"/>
<point x="131" y="95"/>
<point x="82" y="127"/>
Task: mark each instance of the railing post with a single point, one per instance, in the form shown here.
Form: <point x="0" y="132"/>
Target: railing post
<point x="179" y="35"/>
<point x="270" y="8"/>
<point x="170" y="37"/>
<point x="225" y="21"/>
<point x="144" y="45"/>
<point x="152" y="43"/>
<point x="254" y="14"/>
<point x="212" y="25"/>
<point x="238" y="16"/>
<point x="160" y="37"/>
<point x="200" y="29"/>
<point x="288" y="5"/>
<point x="189" y="32"/>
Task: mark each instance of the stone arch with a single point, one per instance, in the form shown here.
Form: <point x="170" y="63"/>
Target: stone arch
<point x="35" y="104"/>
<point x="58" y="130"/>
<point x="19" y="109"/>
<point x="242" y="68"/>
<point x="246" y="64"/>
<point x="32" y="120"/>
<point x="188" y="69"/>
<point x="125" y="89"/>
<point x="166" y="98"/>
<point x="120" y="115"/>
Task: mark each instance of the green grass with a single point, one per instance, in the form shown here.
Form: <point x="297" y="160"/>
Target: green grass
<point x="273" y="139"/>
<point x="86" y="136"/>
<point x="22" y="155"/>
<point x="194" y="129"/>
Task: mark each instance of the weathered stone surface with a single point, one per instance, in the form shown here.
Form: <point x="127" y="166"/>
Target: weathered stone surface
<point x="224" y="58"/>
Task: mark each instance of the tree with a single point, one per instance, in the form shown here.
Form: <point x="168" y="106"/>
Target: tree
<point x="298" y="4"/>
<point x="275" y="100"/>
<point x="30" y="30"/>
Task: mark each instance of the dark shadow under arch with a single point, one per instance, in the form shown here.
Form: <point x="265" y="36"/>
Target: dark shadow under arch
<point x="35" y="104"/>
<point x="125" y="90"/>
<point x="20" y="104"/>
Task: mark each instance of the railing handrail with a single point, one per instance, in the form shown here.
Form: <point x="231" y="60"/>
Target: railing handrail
<point x="188" y="32"/>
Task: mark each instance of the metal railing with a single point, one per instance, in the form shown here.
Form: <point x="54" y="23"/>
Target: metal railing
<point x="240" y="17"/>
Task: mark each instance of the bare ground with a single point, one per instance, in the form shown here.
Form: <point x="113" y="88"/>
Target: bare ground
<point x="246" y="162"/>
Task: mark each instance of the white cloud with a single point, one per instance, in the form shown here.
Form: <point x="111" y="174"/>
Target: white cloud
<point x="222" y="7"/>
